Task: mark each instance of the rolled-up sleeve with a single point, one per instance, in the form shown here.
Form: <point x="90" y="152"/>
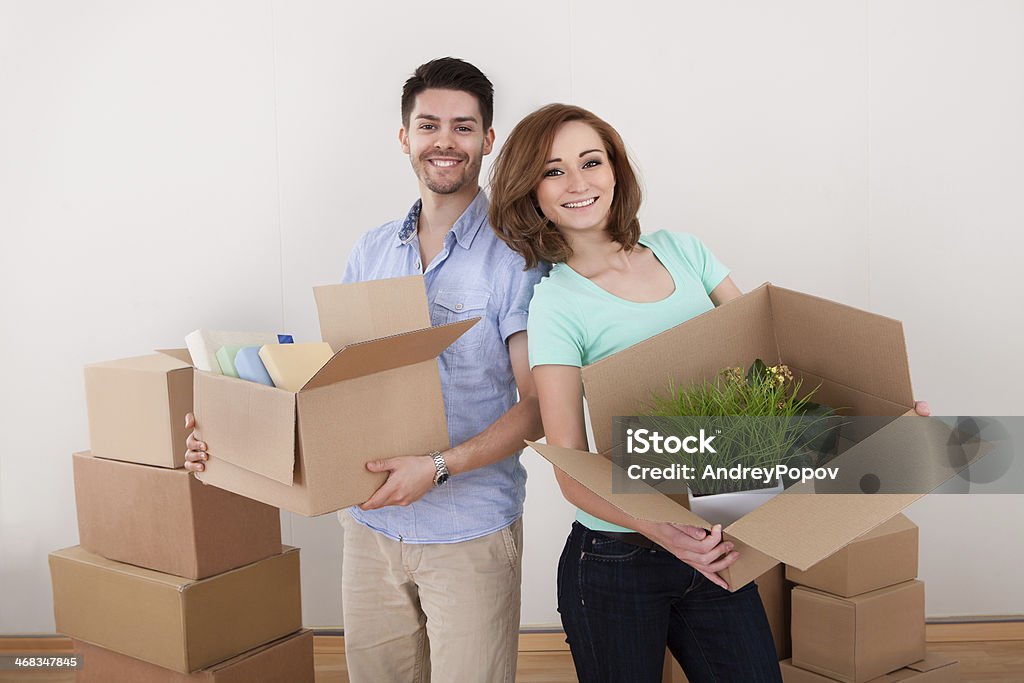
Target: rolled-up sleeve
<point x="514" y="311"/>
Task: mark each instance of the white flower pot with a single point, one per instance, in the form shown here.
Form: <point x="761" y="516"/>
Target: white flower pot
<point x="726" y="508"/>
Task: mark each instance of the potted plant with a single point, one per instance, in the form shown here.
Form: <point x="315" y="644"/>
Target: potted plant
<point x="760" y="419"/>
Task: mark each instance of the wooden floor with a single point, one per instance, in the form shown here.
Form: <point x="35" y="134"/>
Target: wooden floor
<point x="989" y="661"/>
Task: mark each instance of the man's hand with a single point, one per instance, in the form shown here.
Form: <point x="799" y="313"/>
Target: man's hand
<point x="703" y="551"/>
<point x="922" y="409"/>
<point x="196" y="449"/>
<point x="409" y="478"/>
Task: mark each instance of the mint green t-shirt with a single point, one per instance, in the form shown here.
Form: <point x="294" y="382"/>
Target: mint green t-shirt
<point x="575" y="322"/>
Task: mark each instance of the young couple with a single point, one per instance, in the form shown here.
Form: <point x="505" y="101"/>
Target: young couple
<point x="431" y="564"/>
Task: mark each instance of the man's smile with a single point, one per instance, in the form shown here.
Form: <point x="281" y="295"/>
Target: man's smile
<point x="444" y="163"/>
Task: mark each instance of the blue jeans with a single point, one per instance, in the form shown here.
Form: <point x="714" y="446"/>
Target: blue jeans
<point x="622" y="604"/>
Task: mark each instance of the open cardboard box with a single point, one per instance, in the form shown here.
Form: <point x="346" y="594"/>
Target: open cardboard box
<point x="859" y="360"/>
<point x="379" y="396"/>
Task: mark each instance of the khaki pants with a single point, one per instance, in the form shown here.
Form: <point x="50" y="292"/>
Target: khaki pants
<point x="450" y="608"/>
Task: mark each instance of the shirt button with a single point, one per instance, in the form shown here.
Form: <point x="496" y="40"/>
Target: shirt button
<point x="458" y="307"/>
<point x="419" y="265"/>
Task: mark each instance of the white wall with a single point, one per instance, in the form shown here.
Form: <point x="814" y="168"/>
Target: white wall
<point x="170" y="166"/>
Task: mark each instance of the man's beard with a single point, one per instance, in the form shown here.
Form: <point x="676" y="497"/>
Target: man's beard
<point x="470" y="172"/>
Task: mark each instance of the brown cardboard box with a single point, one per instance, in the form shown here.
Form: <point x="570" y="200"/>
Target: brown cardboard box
<point x="306" y="451"/>
<point x="858" y="359"/>
<point x="792" y="674"/>
<point x="932" y="669"/>
<point x="173" y="622"/>
<point x="287" y="659"/>
<point x="882" y="557"/>
<point x="775" y="593"/>
<point x="137" y="409"/>
<point x="856" y="639"/>
<point x="167" y="521"/>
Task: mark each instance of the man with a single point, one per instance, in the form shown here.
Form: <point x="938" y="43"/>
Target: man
<point x="432" y="565"/>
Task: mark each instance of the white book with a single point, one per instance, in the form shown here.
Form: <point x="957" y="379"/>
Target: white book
<point x="203" y="345"/>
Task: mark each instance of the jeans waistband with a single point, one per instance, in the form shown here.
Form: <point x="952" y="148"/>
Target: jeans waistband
<point x="632" y="538"/>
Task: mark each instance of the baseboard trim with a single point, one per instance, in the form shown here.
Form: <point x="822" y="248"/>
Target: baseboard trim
<point x="332" y="640"/>
<point x="975" y="631"/>
<point x="34" y="643"/>
<point x="542" y="641"/>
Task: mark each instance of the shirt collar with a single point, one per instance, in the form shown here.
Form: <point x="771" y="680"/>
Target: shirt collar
<point x="465" y="228"/>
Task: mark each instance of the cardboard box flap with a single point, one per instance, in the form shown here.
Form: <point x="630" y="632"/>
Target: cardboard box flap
<point x="907" y="459"/>
<point x="595" y="472"/>
<point x="621" y="383"/>
<point x="754" y="563"/>
<point x="809" y="329"/>
<point x="931" y="662"/>
<point x="896" y="525"/>
<point x="360" y="311"/>
<point x="808" y="522"/>
<point x="802" y="530"/>
<point x="181" y="354"/>
<point x="370" y="357"/>
<point x="256" y="422"/>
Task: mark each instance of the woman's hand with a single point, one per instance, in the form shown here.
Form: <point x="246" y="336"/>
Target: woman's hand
<point x="703" y="551"/>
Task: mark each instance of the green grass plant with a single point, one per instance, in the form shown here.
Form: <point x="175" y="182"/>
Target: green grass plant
<point x="761" y="418"/>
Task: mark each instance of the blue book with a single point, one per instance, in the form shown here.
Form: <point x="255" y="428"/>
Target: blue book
<point x="250" y="367"/>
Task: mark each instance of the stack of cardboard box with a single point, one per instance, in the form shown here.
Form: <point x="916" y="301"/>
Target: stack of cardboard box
<point x="856" y="616"/>
<point x="179" y="580"/>
<point x="859" y="614"/>
<point x="174" y="580"/>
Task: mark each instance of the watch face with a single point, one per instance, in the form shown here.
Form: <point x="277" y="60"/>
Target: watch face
<point x="442" y="478"/>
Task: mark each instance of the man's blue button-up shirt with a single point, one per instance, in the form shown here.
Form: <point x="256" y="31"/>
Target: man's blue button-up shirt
<point x="474" y="275"/>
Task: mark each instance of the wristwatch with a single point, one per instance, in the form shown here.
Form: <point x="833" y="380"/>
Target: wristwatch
<point x="442" y="469"/>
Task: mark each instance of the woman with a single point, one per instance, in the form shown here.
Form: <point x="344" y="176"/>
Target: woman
<point x="563" y="190"/>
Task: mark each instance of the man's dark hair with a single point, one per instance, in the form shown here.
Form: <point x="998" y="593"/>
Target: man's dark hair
<point x="449" y="73"/>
